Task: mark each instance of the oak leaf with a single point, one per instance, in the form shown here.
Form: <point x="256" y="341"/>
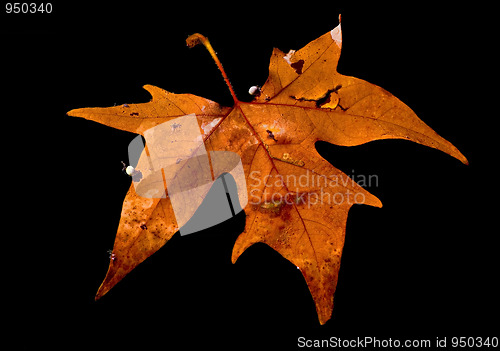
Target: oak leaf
<point x="303" y="100"/>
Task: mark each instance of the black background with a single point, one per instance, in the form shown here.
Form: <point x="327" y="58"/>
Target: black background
<point x="424" y="265"/>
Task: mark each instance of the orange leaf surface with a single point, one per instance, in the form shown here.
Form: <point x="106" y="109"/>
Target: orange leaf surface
<point x="298" y="202"/>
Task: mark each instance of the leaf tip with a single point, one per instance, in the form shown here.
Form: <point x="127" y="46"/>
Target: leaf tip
<point x="464" y="160"/>
<point x="336" y="34"/>
<point x="101" y="292"/>
<point x="454" y="152"/>
<point x="324" y="314"/>
<point x="372" y="200"/>
<point x="73" y="112"/>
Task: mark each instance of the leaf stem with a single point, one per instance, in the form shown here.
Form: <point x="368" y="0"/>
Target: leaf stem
<point x="198" y="38"/>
